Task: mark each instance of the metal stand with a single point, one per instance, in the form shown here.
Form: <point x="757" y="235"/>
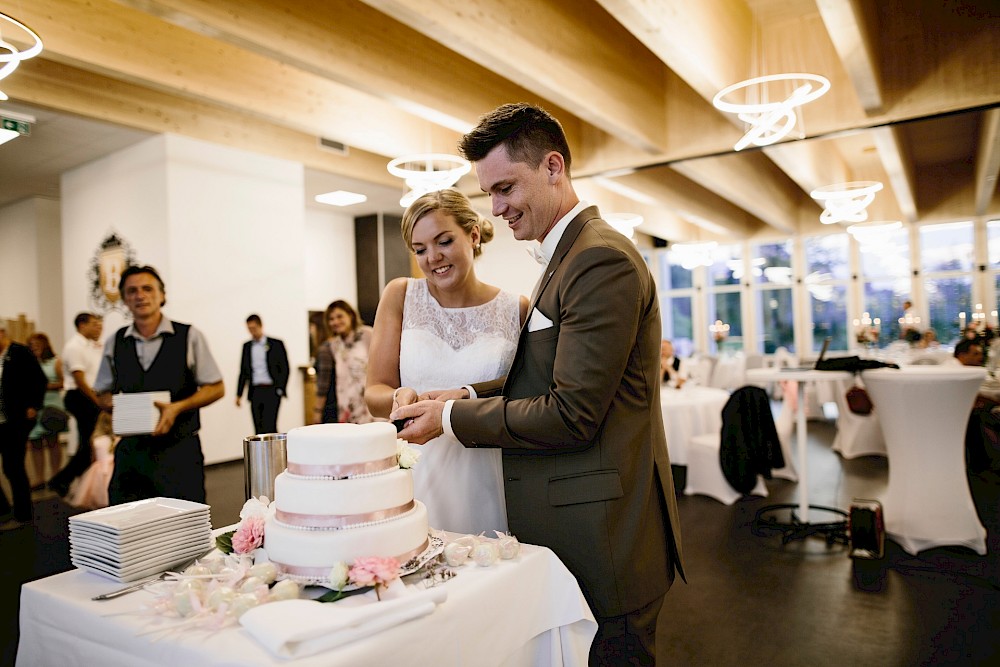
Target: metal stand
<point x="835" y="532"/>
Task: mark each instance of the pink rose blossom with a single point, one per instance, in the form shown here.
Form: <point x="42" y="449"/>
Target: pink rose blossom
<point x="249" y="535"/>
<point x="378" y="571"/>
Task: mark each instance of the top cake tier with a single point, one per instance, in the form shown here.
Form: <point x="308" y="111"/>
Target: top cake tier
<point x="311" y="449"/>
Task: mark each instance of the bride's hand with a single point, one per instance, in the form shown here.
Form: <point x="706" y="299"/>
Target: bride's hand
<point x="403" y="396"/>
<point x="445" y="394"/>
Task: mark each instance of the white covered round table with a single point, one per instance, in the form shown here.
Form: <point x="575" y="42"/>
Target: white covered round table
<point x="924" y="411"/>
<point x="687" y="412"/>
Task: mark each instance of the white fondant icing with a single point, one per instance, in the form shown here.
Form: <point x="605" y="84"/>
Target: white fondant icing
<point x="325" y="444"/>
<point x="303" y="495"/>
<point x="324" y="548"/>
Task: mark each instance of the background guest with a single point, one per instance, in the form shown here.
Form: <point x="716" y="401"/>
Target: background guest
<point x="22" y="390"/>
<point x="81" y="358"/>
<point x="264" y="367"/>
<point x="157" y="354"/>
<point x="672" y="368"/>
<point x="44" y="437"/>
<point x="342" y="367"/>
<point x="91" y="492"/>
<point x="969" y="352"/>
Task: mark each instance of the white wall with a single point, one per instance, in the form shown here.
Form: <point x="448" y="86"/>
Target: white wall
<point x="226" y="230"/>
<point x="30" y="253"/>
<point x="330" y="262"/>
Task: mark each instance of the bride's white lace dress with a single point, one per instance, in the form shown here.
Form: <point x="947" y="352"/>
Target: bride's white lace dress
<point x="445" y="348"/>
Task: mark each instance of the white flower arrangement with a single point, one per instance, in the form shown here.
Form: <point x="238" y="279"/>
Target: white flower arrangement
<point x="406" y="455"/>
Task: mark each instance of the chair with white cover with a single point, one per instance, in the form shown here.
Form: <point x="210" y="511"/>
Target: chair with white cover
<point x="924" y="412"/>
<point x="700" y="370"/>
<point x="747" y="425"/>
<point x="784" y="424"/>
<point x="857" y="435"/>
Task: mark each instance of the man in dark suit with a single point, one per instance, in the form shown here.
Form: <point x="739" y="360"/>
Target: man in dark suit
<point x="578" y="416"/>
<point x="22" y="390"/>
<point x="265" y="369"/>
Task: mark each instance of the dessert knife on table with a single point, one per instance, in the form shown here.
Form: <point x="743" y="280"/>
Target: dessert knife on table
<point x="142" y="583"/>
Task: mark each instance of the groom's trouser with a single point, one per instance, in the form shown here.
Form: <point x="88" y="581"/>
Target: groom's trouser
<point x="627" y="640"/>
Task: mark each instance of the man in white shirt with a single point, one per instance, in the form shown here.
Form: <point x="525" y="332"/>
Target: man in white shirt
<point x="80" y="358"/>
<point x="673" y="368"/>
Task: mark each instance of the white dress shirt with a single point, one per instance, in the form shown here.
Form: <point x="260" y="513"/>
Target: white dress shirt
<point x="81" y="354"/>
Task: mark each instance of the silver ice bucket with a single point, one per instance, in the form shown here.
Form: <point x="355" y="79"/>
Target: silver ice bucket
<point x="263" y="460"/>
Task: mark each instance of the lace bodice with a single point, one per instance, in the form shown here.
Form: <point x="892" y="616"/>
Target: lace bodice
<point x="443" y="348"/>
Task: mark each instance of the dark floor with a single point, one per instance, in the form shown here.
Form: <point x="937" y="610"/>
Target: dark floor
<point x="749" y="600"/>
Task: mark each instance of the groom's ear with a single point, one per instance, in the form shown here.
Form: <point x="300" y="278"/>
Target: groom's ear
<point x="554" y="165"/>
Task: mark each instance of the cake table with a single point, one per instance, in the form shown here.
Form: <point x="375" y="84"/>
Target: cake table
<point x="526" y="611"/>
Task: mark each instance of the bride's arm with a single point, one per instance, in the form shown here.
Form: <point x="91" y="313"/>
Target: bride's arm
<point x="383" y="354"/>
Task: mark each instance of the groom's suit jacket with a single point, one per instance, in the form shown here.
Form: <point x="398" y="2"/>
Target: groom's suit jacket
<point x="578" y="417"/>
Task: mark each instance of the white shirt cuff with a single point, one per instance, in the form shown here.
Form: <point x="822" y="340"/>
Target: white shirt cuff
<point x="472" y="392"/>
<point x="446" y="418"/>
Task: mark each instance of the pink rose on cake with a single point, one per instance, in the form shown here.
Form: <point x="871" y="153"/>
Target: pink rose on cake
<point x="249" y="536"/>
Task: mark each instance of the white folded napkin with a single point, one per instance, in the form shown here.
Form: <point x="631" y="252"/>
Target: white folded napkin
<point x="300" y="628"/>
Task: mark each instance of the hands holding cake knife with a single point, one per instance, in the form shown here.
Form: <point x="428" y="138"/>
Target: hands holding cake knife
<point x="421" y="415"/>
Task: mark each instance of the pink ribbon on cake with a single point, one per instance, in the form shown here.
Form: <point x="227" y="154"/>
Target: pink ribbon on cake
<point x="340" y="520"/>
<point x="344" y="470"/>
<point x="324" y="572"/>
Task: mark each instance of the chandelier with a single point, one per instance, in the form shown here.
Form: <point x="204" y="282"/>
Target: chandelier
<point x="770" y="121"/>
<point x="428" y="172"/>
<point x="624" y="222"/>
<point x="10" y="55"/>
<point x="846" y="202"/>
<point x="692" y="255"/>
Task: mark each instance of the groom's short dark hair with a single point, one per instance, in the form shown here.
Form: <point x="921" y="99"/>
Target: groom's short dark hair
<point x="527" y="131"/>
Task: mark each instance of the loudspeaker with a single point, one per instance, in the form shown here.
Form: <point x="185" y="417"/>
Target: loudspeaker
<point x="866" y="529"/>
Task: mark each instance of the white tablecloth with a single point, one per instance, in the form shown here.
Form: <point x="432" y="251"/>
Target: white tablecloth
<point x="527" y="611"/>
<point x="924" y="411"/>
<point x="687" y="412"/>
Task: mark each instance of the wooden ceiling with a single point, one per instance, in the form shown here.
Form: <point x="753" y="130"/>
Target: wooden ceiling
<point x="914" y="103"/>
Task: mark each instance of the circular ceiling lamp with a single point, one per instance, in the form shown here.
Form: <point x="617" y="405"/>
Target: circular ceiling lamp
<point x="846" y="202"/>
<point x="428" y="172"/>
<point x="769" y="121"/>
<point x="10" y="55"/>
<point x="874" y="233"/>
<point x="692" y="255"/>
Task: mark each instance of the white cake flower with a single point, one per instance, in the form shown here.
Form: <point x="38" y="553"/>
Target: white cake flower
<point x="255" y="507"/>
<point x="407" y="456"/>
<point x="338" y="575"/>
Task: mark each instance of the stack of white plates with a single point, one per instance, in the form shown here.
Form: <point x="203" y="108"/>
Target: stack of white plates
<point x="139" y="539"/>
<point x="135" y="414"/>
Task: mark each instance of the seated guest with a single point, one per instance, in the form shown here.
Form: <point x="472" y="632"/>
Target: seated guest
<point x="929" y="340"/>
<point x="672" y="368"/>
<point x="969" y="352"/>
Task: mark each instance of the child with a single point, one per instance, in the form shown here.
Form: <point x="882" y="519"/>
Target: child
<point x="91" y="490"/>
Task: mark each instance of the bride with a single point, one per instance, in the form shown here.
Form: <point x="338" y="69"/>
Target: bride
<point x="432" y="335"/>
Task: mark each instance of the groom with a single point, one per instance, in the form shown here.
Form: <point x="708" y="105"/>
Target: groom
<point x="578" y="415"/>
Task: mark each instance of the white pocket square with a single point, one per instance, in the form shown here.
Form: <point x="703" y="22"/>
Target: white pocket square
<point x="538" y="321"/>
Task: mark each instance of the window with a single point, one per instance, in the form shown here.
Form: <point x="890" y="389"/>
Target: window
<point x="676" y="298"/>
<point x="724" y="297"/>
<point x="886" y="268"/>
<point x="946" y="257"/>
<point x="827" y="273"/>
<point x="771" y="269"/>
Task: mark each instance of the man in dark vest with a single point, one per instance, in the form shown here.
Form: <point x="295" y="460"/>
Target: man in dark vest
<point x="264" y="367"/>
<point x="156" y="354"/>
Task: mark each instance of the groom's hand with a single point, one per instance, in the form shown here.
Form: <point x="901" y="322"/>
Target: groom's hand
<point x="422" y="421"/>
<point x="446" y="394"/>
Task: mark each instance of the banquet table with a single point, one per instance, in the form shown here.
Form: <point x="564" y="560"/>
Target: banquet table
<point x="687" y="412"/>
<point x="924" y="411"/>
<point x="801" y="376"/>
<point x="525" y="611"/>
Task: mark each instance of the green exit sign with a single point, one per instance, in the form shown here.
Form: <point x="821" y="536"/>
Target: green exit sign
<point x="18" y="126"/>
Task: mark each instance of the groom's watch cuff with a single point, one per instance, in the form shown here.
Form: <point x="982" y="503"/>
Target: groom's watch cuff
<point x="446" y="419"/>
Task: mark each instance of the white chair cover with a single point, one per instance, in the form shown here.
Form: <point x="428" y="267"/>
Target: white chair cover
<point x="704" y="471"/>
<point x="857" y="435"/>
<point x="785" y="425"/>
<point x="924" y="411"/>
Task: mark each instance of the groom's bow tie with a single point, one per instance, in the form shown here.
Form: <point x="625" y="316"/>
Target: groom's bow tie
<point x="539" y="256"/>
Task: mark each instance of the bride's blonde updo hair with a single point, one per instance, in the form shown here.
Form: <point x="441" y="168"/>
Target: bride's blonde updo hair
<point x="452" y="203"/>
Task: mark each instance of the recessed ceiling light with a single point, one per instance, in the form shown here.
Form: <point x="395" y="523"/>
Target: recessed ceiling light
<point x="341" y="198"/>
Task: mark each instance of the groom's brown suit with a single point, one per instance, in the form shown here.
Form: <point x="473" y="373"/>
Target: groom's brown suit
<point x="578" y="417"/>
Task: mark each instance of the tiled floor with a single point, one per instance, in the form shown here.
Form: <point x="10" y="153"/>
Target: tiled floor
<point x="748" y="601"/>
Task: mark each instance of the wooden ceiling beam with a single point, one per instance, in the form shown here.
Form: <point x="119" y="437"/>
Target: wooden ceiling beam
<point x="570" y="52"/>
<point x="847" y="25"/>
<point x="106" y="38"/>
<point x="987" y="160"/>
<point x="898" y="169"/>
<point x="64" y="88"/>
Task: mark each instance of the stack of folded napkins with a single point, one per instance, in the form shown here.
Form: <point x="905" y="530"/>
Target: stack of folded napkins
<point x="139" y="539"/>
<point x="300" y="628"/>
<point x="135" y="414"/>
